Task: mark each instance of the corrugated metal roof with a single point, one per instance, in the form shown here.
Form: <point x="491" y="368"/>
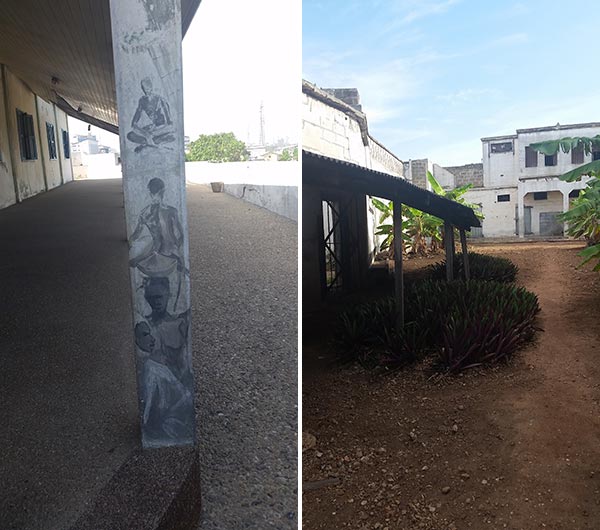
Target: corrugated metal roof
<point x="71" y="41"/>
<point x="326" y="172"/>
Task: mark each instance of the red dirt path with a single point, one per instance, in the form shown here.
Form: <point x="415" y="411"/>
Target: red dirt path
<point x="518" y="446"/>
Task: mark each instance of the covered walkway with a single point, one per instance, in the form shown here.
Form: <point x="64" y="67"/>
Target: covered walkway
<point x="68" y="401"/>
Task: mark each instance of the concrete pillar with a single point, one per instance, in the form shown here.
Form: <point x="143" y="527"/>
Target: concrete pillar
<point x="398" y="274"/>
<point x="565" y="194"/>
<point x="521" y="212"/>
<point x="147" y="58"/>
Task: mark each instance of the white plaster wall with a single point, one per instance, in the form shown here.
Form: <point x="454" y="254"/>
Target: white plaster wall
<point x="29" y="173"/>
<point x="554" y="203"/>
<point x="7" y="185"/>
<point x="52" y="167"/>
<point x="282" y="200"/>
<point x="564" y="159"/>
<point x="330" y="132"/>
<point x="444" y="177"/>
<point x="62" y="124"/>
<point x="499" y="216"/>
<point x="500" y="169"/>
<point x="250" y="172"/>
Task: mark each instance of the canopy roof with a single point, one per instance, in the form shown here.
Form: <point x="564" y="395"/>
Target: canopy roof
<point x="328" y="172"/>
<point x="63" y="51"/>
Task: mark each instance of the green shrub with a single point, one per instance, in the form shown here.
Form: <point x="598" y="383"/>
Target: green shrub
<point x="481" y="266"/>
<point x="465" y="323"/>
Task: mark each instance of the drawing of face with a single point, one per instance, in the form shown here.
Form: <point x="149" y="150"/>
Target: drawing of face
<point x="143" y="337"/>
<point x="157" y="295"/>
<point x="156" y="187"/>
<point x="147" y="86"/>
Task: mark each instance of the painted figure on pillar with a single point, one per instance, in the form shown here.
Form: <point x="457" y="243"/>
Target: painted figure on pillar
<point x="167" y="404"/>
<point x="151" y="125"/>
<point x="157" y="241"/>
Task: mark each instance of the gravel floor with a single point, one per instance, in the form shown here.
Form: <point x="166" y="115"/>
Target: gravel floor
<point x="68" y="399"/>
<point x="244" y="285"/>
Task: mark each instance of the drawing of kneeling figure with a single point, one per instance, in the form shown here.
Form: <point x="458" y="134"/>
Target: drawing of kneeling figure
<point x="167" y="405"/>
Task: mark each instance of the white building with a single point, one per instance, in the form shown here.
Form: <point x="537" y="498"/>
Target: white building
<point x="527" y="182"/>
<point x="518" y="189"/>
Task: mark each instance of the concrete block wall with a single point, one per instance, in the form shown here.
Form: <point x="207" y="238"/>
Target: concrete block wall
<point x="415" y="171"/>
<point x="330" y="132"/>
<point x="467" y="174"/>
<point x="383" y="160"/>
<point x="21" y="179"/>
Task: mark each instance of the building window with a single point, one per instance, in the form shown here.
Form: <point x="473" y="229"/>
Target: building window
<point x="577" y="155"/>
<point x="540" y="195"/>
<point x="502" y="147"/>
<point x="531" y="157"/>
<point x="595" y="154"/>
<point x="573" y="194"/>
<point x="26" y="136"/>
<point x="65" y="141"/>
<point x="551" y="160"/>
<point x="503" y="198"/>
<point x="51" y="141"/>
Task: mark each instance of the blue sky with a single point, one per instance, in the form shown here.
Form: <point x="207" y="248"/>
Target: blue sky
<point x="437" y="75"/>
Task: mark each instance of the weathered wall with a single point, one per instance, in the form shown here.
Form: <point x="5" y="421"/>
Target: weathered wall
<point x="328" y="131"/>
<point x="554" y="203"/>
<point x="384" y="161"/>
<point x="29" y="174"/>
<point x="467" y="174"/>
<point x="7" y="185"/>
<point x="500" y="169"/>
<point x="499" y="216"/>
<point x="62" y="124"/>
<point x="415" y="171"/>
<point x="45" y="114"/>
<point x="282" y="200"/>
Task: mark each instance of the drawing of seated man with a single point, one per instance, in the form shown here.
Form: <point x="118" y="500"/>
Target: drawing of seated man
<point x="151" y="124"/>
<point x="167" y="405"/>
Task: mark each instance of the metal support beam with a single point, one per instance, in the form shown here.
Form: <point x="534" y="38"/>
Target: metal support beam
<point x="398" y="275"/>
<point x="465" y="254"/>
<point x="147" y="59"/>
<point x="449" y="244"/>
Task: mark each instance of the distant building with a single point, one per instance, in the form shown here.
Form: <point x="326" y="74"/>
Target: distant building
<point x="518" y="190"/>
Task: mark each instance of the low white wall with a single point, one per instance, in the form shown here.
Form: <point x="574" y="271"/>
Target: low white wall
<point x="282" y="200"/>
<point x="271" y="185"/>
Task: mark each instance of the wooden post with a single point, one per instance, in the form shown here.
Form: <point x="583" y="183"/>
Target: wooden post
<point x="449" y="243"/>
<point x="463" y="244"/>
<point x="398" y="276"/>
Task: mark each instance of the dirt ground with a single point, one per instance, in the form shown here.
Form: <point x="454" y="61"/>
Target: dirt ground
<point x="515" y="446"/>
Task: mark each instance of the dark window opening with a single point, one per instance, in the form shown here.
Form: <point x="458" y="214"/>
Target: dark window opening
<point x="502" y="147"/>
<point x="503" y="198"/>
<point x="573" y="194"/>
<point x="595" y="154"/>
<point x="551" y="160"/>
<point x="51" y="141"/>
<point x="66" y="146"/>
<point x="540" y="195"/>
<point x="577" y="155"/>
<point x="333" y="248"/>
<point x="531" y="157"/>
<point x="26" y="133"/>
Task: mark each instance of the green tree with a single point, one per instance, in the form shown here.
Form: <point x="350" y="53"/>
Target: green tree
<point x="220" y="147"/>
<point x="285" y="156"/>
<point x="583" y="217"/>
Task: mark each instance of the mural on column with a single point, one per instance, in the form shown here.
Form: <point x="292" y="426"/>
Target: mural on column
<point x="147" y="57"/>
<point x="151" y="124"/>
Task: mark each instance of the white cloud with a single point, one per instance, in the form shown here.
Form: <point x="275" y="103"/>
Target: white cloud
<point x="510" y="40"/>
